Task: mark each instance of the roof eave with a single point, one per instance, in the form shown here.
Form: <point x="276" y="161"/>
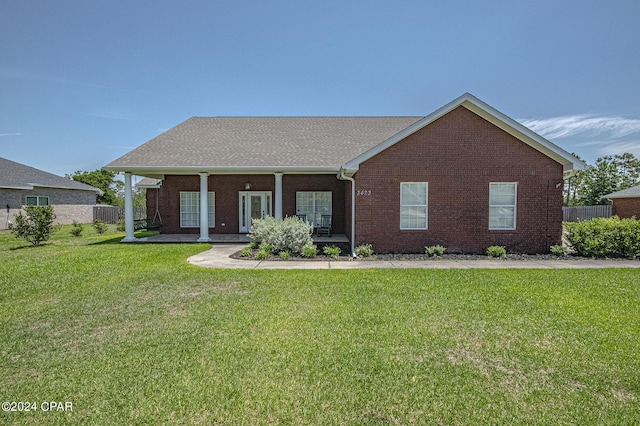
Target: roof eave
<point x="190" y="170"/>
<point x="475" y="105"/>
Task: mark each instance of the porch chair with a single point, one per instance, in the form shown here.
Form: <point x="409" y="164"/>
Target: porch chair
<point x="325" y="225"/>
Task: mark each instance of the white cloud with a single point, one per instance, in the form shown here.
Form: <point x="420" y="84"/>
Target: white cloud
<point x="10" y="134"/>
<point x="588" y="125"/>
<point x="590" y="136"/>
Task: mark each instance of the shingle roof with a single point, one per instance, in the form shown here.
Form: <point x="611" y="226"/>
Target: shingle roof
<point x="632" y="192"/>
<point x="18" y="176"/>
<point x="254" y="142"/>
<point x="300" y="144"/>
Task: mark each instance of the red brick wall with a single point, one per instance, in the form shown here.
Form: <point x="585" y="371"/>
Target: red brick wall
<point x="227" y="188"/>
<point x="459" y="155"/>
<point x="626" y="207"/>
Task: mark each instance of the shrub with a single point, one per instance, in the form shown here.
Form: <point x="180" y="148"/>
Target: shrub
<point x="76" y="229"/>
<point x="266" y="248"/>
<point x="120" y="226"/>
<point x="435" y="251"/>
<point x="559" y="250"/>
<point x="496" y="251"/>
<point x="364" y="250"/>
<point x="262" y="254"/>
<point x="100" y="226"/>
<point x="332" y="251"/>
<point x="288" y="234"/>
<point x="285" y="255"/>
<point x="310" y="250"/>
<point x="600" y="237"/>
<point x="35" y="226"/>
<point x="245" y="252"/>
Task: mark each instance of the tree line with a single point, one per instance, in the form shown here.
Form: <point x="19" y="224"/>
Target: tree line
<point x="609" y="174"/>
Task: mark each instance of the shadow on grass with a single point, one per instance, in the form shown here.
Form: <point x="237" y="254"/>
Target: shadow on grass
<point x="117" y="239"/>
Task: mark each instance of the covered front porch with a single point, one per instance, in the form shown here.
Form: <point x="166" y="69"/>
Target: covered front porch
<point x="227" y="238"/>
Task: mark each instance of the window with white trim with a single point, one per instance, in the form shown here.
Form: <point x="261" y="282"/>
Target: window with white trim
<point x="414" y="205"/>
<point x="502" y="205"/>
<point x="313" y="205"/>
<point x="37" y="201"/>
<point x="190" y="209"/>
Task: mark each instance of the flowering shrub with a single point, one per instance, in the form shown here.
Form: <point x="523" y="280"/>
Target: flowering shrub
<point x="288" y="234"/>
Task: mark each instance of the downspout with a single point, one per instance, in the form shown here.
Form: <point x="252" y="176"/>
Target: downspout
<point x="353" y="210"/>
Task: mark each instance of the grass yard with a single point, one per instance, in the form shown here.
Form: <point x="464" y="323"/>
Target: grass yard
<point x="132" y="334"/>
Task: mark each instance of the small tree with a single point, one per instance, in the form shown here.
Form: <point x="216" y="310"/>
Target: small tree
<point x="35" y="226"/>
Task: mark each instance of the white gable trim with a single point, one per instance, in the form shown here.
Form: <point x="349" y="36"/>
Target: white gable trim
<point x="475" y="105"/>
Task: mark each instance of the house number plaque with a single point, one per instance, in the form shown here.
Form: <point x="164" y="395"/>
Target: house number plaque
<point x="366" y="192"/>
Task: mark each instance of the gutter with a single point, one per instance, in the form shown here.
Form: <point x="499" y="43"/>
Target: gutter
<point x="342" y="176"/>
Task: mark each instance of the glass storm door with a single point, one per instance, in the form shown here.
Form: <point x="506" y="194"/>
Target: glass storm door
<point x="253" y="205"/>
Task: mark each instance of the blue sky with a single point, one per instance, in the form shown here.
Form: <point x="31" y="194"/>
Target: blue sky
<point x="83" y="82"/>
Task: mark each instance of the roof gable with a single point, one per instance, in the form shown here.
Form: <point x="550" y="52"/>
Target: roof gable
<point x="490" y="114"/>
<point x="19" y="176"/>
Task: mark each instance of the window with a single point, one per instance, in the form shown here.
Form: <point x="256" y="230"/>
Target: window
<point x="37" y="201"/>
<point x="313" y="204"/>
<point x="413" y="205"/>
<point x="502" y="205"/>
<point x="190" y="209"/>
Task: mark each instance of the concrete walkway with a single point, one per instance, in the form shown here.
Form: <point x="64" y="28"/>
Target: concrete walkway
<point x="218" y="257"/>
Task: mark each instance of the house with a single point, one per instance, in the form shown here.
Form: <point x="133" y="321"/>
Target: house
<point x="466" y="177"/>
<point x="626" y="203"/>
<point x="22" y="185"/>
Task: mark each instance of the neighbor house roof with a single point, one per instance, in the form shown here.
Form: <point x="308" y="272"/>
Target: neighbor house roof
<point x="18" y="176"/>
<point x="300" y="144"/>
<point x="632" y="192"/>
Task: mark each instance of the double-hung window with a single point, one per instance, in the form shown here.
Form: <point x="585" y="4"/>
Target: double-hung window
<point x="502" y="205"/>
<point x="190" y="209"/>
<point x="37" y="201"/>
<point x="413" y="205"/>
<point x="313" y="205"/>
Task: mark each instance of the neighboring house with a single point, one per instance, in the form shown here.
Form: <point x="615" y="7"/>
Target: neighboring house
<point x="626" y="203"/>
<point x="465" y="176"/>
<point x="22" y="185"/>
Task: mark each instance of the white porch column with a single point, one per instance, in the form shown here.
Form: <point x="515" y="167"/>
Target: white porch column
<point x="204" y="208"/>
<point x="278" y="196"/>
<point x="128" y="209"/>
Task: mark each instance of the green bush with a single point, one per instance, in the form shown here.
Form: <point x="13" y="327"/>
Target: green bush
<point x="288" y="234"/>
<point x="310" y="250"/>
<point x="496" y="251"/>
<point x="285" y="255"/>
<point x="266" y="247"/>
<point x="332" y="251"/>
<point x="76" y="229"/>
<point x="559" y="250"/>
<point x="600" y="237"/>
<point x="100" y="226"/>
<point x="120" y="227"/>
<point x="245" y="252"/>
<point x="436" y="250"/>
<point x="35" y="226"/>
<point x="262" y="254"/>
<point x="364" y="250"/>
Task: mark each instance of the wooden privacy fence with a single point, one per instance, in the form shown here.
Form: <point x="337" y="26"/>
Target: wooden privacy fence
<point x="112" y="214"/>
<point x="574" y="214"/>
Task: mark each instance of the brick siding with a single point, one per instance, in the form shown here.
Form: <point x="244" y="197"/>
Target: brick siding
<point x="626" y="207"/>
<point x="227" y="188"/>
<point x="459" y="155"/>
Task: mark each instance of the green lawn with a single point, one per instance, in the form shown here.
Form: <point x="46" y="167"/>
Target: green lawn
<point x="132" y="334"/>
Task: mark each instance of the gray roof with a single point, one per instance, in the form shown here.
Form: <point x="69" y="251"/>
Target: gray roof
<point x="262" y="142"/>
<point x="632" y="192"/>
<point x="18" y="176"/>
<point x="301" y="144"/>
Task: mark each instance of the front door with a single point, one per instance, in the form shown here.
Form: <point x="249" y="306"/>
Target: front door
<point x="253" y="205"/>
